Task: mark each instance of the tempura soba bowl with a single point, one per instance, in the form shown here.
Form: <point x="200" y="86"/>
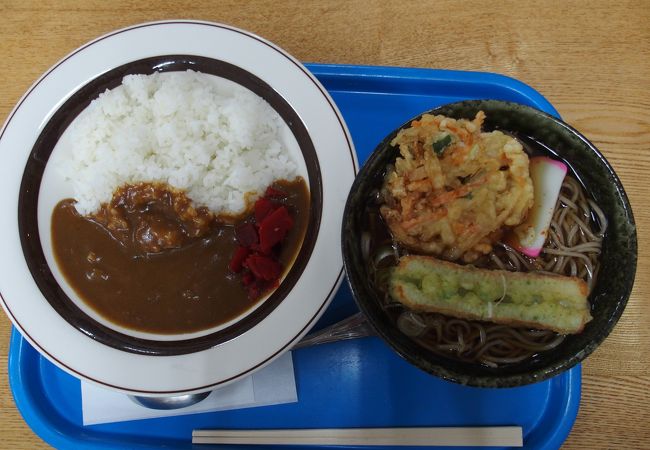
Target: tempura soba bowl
<point x="436" y="346"/>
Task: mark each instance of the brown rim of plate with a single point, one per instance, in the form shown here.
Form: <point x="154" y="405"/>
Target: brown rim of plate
<point x="35" y="167"/>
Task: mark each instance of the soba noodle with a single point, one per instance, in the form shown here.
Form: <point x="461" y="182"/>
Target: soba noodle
<point x="572" y="249"/>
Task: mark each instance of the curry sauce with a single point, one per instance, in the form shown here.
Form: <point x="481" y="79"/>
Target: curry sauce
<point x="151" y="262"/>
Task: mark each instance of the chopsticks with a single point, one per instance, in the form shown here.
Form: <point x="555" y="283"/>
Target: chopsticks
<point x="421" y="436"/>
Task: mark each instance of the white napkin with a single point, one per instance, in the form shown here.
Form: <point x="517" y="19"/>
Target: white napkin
<point x="271" y="385"/>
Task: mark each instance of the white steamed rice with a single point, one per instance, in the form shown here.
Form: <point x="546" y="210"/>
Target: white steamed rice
<point x="209" y="136"/>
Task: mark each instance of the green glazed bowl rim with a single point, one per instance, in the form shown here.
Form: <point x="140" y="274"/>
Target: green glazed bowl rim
<point x="608" y="298"/>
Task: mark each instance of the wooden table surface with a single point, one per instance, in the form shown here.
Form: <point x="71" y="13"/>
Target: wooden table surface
<point x="590" y="59"/>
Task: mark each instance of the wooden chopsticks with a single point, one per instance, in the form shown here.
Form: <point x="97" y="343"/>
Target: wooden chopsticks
<point x="421" y="436"/>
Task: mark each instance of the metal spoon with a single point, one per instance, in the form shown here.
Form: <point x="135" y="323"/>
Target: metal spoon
<point x="169" y="402"/>
<point x="352" y="327"/>
<point x="355" y="326"/>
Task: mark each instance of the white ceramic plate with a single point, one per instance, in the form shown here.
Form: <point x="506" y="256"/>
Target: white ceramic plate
<point x="41" y="117"/>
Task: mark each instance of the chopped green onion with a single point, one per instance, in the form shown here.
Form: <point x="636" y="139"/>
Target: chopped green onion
<point x="441" y="144"/>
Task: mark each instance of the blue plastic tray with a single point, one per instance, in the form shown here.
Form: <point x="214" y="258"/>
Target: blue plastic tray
<point x="359" y="383"/>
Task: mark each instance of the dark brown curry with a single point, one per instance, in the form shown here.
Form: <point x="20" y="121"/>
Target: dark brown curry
<point x="149" y="261"/>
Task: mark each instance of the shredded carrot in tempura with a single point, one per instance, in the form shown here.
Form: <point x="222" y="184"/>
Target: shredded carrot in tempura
<point x="453" y="188"/>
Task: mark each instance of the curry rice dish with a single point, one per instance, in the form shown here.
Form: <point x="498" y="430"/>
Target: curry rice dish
<point x="188" y="209"/>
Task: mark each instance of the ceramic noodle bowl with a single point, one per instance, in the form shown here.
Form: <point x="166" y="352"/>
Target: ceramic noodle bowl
<point x="619" y="247"/>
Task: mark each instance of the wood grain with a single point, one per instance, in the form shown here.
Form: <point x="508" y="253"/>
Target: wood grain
<point x="590" y="59"/>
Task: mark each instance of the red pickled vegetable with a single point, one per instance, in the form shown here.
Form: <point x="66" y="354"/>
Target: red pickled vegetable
<point x="274" y="193"/>
<point x="263" y="267"/>
<point x="247" y="279"/>
<point x="237" y="260"/>
<point x="260" y="271"/>
<point x="255" y="290"/>
<point x="274" y="228"/>
<point x="246" y="235"/>
<point x="263" y="207"/>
